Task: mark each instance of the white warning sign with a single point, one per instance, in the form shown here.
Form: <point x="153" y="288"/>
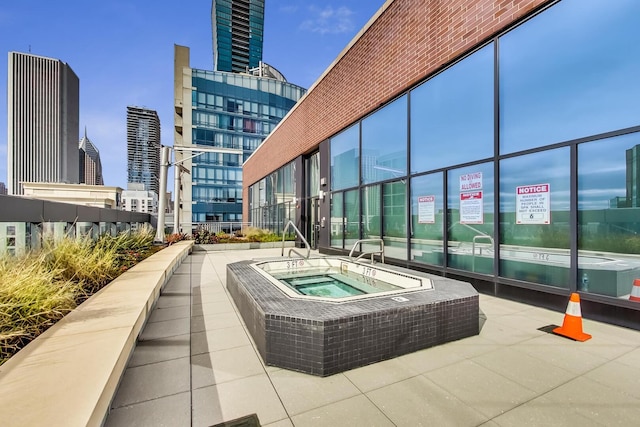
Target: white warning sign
<point x="471" y="182"/>
<point x="533" y="204"/>
<point x="471" y="208"/>
<point x="426" y="209"/>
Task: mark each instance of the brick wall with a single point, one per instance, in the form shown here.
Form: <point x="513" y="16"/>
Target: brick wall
<point x="410" y="40"/>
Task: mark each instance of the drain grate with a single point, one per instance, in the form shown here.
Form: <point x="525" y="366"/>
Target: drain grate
<point x="246" y="421"/>
<point x="548" y="329"/>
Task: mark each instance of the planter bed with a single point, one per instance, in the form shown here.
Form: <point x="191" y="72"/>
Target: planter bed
<point x="69" y="374"/>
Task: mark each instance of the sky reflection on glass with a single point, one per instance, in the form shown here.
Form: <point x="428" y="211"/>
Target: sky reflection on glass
<point x="566" y="74"/>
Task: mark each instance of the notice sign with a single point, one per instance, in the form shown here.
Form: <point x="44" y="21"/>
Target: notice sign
<point x="471" y="182"/>
<point x="533" y="204"/>
<point x="427" y="209"/>
<point x="471" y="208"/>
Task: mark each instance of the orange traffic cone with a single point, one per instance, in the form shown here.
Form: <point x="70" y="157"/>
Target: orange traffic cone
<point x="572" y="325"/>
<point x="635" y="291"/>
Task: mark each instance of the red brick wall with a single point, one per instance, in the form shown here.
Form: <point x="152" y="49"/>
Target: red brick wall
<point x="410" y="40"/>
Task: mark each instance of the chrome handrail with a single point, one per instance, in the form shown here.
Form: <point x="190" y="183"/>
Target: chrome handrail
<point x="473" y="248"/>
<point x="299" y="234"/>
<point x="372" y="253"/>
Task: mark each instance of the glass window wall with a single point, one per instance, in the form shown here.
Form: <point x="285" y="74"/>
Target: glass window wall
<point x="452" y="114"/>
<point x="384" y="143"/>
<point x="352" y="218"/>
<point x="394" y="217"/>
<point x="371" y="217"/>
<point x="337" y="220"/>
<point x="568" y="73"/>
<point x="567" y="83"/>
<point x="470" y="195"/>
<point x="427" y="219"/>
<point x="609" y="215"/>
<point x="534" y="217"/>
<point x="345" y="158"/>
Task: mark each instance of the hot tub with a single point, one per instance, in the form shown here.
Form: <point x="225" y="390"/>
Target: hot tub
<point x="336" y="280"/>
<point x="324" y="335"/>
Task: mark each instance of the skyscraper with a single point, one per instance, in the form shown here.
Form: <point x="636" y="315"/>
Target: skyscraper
<point x="90" y="164"/>
<point x="237" y="27"/>
<point x="43" y="110"/>
<point x="143" y="147"/>
<point x="222" y="116"/>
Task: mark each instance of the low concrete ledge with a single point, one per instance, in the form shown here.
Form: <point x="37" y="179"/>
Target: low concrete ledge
<point x="242" y="246"/>
<point x="69" y="374"/>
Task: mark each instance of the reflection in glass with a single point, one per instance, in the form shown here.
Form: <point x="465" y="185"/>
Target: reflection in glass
<point x="371" y="217"/>
<point x="427" y="207"/>
<point x="570" y="72"/>
<point x="609" y="215"/>
<point x="452" y="114"/>
<point x="394" y="199"/>
<point x="345" y="156"/>
<point x="470" y="218"/>
<point x="337" y="220"/>
<point x="352" y="216"/>
<point x="534" y="218"/>
<point x="313" y="175"/>
<point x="384" y="143"/>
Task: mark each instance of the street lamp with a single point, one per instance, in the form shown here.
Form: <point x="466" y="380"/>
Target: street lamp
<point x="164" y="168"/>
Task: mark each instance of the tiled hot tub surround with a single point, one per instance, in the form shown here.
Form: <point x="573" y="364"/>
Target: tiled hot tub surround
<point x="322" y="338"/>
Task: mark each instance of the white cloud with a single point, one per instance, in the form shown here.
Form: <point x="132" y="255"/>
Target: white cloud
<point x="328" y="20"/>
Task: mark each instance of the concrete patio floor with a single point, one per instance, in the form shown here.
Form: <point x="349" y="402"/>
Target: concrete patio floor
<point x="195" y="365"/>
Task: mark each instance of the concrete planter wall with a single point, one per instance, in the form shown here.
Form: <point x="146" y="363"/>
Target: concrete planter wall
<point x="242" y="246"/>
<point x="69" y="374"/>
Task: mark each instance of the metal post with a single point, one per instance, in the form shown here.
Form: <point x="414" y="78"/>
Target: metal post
<point x="176" y="201"/>
<point x="164" y="166"/>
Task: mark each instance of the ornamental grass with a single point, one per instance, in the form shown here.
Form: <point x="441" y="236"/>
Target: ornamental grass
<point x="38" y="289"/>
<point x="33" y="296"/>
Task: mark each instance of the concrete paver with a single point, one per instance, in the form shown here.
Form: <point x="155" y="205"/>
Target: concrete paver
<point x="196" y="365"/>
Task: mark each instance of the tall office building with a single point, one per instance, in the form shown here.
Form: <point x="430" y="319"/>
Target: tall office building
<point x="229" y="117"/>
<point x="90" y="164"/>
<point x="237" y="27"/>
<point x="42" y="126"/>
<point x="143" y="147"/>
<point x="222" y="116"/>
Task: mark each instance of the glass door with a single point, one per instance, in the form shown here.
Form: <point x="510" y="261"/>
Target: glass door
<point x="313" y="230"/>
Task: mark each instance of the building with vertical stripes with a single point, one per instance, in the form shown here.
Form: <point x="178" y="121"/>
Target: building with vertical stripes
<point x="42" y="123"/>
<point x="90" y="164"/>
<point x="143" y="147"/>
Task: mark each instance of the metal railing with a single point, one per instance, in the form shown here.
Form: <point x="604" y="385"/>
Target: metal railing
<point x="216" y="227"/>
<point x="300" y="235"/>
<point x="372" y="253"/>
<point x="473" y="248"/>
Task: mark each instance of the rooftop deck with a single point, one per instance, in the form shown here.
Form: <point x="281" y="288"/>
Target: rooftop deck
<point x="195" y="364"/>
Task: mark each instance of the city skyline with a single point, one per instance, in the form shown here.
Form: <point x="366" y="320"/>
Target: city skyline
<point x="126" y="57"/>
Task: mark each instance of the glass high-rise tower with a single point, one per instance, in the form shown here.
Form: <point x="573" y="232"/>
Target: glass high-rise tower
<point x="237" y="27"/>
<point x="143" y="147"/>
<point x="221" y="118"/>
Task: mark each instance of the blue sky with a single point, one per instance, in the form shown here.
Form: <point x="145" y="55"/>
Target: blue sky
<point x="122" y="52"/>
